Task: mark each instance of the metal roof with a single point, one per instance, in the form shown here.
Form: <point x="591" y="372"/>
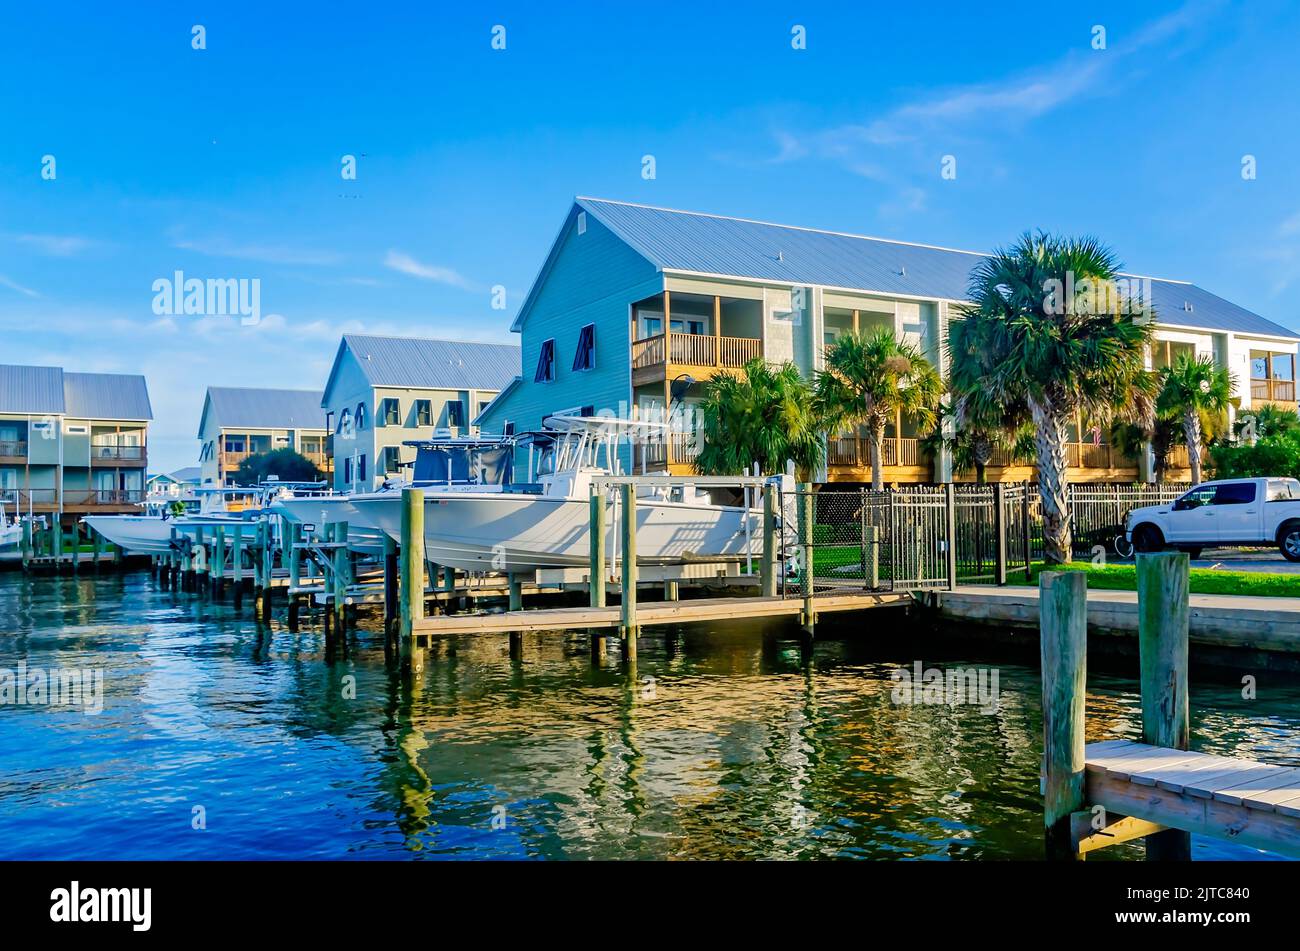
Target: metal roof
<point x="256" y="408"/>
<point x="51" y="391"/>
<point x="31" y="390"/>
<point x="187" y="474"/>
<point x="735" y="247"/>
<point x="106" y="396"/>
<point x="424" y="363"/>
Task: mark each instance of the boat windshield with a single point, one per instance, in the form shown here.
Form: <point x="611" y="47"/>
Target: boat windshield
<point x="578" y="442"/>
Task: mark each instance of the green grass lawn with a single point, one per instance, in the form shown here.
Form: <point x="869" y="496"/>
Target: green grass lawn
<point x="1202" y="580"/>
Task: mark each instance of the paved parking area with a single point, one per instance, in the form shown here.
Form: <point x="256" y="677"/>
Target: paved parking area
<point x="1267" y="560"/>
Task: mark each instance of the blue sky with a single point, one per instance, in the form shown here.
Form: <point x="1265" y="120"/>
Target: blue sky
<point x="225" y="162"/>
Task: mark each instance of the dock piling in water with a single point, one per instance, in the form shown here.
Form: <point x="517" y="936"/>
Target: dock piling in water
<point x="1063" y="646"/>
<point x="412" y="577"/>
<point x="1163" y="619"/>
<point x="628" y="627"/>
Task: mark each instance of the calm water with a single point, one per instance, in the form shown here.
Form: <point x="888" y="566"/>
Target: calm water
<point x="725" y="744"/>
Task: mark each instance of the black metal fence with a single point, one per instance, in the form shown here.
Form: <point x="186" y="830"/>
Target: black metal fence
<point x="918" y="537"/>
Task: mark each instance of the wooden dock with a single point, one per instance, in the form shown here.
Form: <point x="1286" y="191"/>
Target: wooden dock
<point x="1255" y="804"/>
<point x="692" y="611"/>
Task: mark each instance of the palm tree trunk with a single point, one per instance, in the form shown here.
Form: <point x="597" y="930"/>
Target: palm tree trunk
<point x="875" y="435"/>
<point x="982" y="453"/>
<point x="1192" y="435"/>
<point x="1049" y="441"/>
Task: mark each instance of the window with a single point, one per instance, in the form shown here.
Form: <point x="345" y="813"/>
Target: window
<point x="1283" y="490"/>
<point x="77" y="430"/>
<point x="1201" y="495"/>
<point x="361" y="416"/>
<point x="389" y="412"/>
<point x="546" y="363"/>
<point x="423" y="413"/>
<point x="455" y="413"/>
<point x="1235" y="493"/>
<point x="508" y="428"/>
<point x="582" y="222"/>
<point x="390" y="460"/>
<point x="361" y="468"/>
<point x="584" y="358"/>
<point x="345" y="423"/>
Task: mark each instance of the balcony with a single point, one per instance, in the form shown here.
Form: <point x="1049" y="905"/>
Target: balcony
<point x="855" y="452"/>
<point x="1273" y="391"/>
<point x="675" y="455"/>
<point x="229" y="461"/>
<point x="96" y="498"/>
<point x="13" y="449"/>
<point x="651" y="356"/>
<point x="114" y="454"/>
<point x="23" y="500"/>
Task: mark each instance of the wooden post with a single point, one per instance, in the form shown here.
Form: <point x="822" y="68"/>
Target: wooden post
<point x="807" y="518"/>
<point x="999" y="533"/>
<point x="1024" y="531"/>
<point x="341" y="575"/>
<point x="516" y="592"/>
<point x="27" y="544"/>
<point x="1163" y="614"/>
<point x="767" y="571"/>
<point x="596" y="582"/>
<point x="391" y="617"/>
<point x="412" y="567"/>
<point x="237" y="564"/>
<point x="295" y="572"/>
<point x="96" y="543"/>
<point x="1063" y="646"/>
<point x="218" y="570"/>
<point x="870" y="557"/>
<point x="628" y="620"/>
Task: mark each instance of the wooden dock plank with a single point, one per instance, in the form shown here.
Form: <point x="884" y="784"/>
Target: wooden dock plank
<point x="1238" y="800"/>
<point x="649" y="613"/>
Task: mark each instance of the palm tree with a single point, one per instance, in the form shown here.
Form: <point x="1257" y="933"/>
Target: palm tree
<point x="868" y="379"/>
<point x="765" y="415"/>
<point x="984" y="421"/>
<point x="1268" y="420"/>
<point x="1194" y="387"/>
<point x="1059" y="340"/>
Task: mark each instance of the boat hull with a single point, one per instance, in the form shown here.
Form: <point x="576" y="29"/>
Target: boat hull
<point x="511" y="532"/>
<point x="329" y="509"/>
<point x="139" y="534"/>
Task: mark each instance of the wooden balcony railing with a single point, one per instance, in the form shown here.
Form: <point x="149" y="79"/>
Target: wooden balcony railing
<point x="116" y="453"/>
<point x="231" y="460"/>
<point x="13" y="447"/>
<point x="83" y="497"/>
<point x="1276" y="391"/>
<point x="856" y="451"/>
<point x="695" y="350"/>
<point x="22" y="498"/>
<point x="1086" y="455"/>
<point x="656" y="454"/>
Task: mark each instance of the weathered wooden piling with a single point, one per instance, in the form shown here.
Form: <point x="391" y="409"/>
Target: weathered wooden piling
<point x="217" y="571"/>
<point x="412" y="577"/>
<point x="596" y="578"/>
<point x="1163" y="616"/>
<point x="27" y="544"/>
<point x="1063" y="646"/>
<point x="392" y="618"/>
<point x="296" y="541"/>
<point x="341" y="559"/>
<point x="628" y="627"/>
<point x="237" y="564"/>
<point x="767" y="570"/>
<point x="807" y="518"/>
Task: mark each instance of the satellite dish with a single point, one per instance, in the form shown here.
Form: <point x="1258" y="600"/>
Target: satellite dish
<point x="680" y="386"/>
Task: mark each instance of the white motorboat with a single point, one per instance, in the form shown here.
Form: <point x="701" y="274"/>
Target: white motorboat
<point x="11" y="530"/>
<point x="547" y="525"/>
<point x="150" y="533"/>
<point x="464" y="464"/>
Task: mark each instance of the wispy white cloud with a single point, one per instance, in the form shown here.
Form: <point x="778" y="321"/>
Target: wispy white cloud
<point x="56" y="245"/>
<point x="890" y="147"/>
<point x="405" y="264"/>
<point x="15" y="286"/>
<point x="266" y="253"/>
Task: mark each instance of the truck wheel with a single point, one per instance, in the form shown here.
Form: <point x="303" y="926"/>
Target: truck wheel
<point x="1288" y="541"/>
<point x="1193" y="553"/>
<point x="1147" y="538"/>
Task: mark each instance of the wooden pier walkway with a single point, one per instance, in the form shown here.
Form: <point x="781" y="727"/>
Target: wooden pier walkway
<point x="690" y="611"/>
<point x="1255" y="804"/>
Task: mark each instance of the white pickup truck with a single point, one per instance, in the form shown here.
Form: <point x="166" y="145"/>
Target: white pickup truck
<point x="1222" y="514"/>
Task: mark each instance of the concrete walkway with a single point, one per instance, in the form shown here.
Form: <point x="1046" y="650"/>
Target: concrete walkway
<point x="1223" y="620"/>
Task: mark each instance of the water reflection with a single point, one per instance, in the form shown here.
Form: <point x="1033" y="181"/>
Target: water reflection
<point x="731" y="742"/>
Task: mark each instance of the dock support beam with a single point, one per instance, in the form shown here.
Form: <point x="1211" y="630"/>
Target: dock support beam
<point x="412" y="568"/>
<point x="342" y="576"/>
<point x="218" y="573"/>
<point x="1063" y="646"/>
<point x="1163" y="615"/>
<point x="628" y="622"/>
<point x="237" y="565"/>
<point x="767" y="571"/>
<point x="807" y="515"/>
<point x="596" y="584"/>
<point x="392" y="620"/>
